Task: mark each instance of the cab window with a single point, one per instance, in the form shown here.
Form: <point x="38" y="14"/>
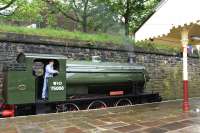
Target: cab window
<point x="40" y="64"/>
<point x="21" y="58"/>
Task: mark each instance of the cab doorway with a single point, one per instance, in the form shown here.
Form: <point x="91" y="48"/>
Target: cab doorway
<point x="39" y="73"/>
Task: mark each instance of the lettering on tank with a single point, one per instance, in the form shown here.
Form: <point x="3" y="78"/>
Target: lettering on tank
<point x="57" y="86"/>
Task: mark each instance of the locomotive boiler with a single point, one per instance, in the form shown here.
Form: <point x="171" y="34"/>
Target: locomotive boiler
<point x="79" y="85"/>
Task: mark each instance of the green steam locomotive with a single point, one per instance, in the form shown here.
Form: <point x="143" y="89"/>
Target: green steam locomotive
<point x="79" y="85"/>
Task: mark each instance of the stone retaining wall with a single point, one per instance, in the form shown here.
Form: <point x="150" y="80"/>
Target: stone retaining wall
<point x="166" y="75"/>
<point x="165" y="69"/>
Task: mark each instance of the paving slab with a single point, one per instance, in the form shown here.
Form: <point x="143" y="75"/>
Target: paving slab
<point x="164" y="117"/>
<point x="155" y="130"/>
<point x="113" y="125"/>
<point x="73" y="130"/>
<point x="152" y="123"/>
<point x="174" y="126"/>
<point x="128" y="128"/>
<point x="95" y="122"/>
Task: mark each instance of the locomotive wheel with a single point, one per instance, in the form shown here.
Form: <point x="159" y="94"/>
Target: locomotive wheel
<point x="71" y="107"/>
<point x="60" y="108"/>
<point x="67" y="107"/>
<point x="123" y="102"/>
<point x="97" y="105"/>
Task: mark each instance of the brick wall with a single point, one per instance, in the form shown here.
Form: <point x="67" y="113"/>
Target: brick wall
<point x="166" y="74"/>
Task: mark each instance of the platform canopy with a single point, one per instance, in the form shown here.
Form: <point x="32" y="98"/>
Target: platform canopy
<point x="174" y="22"/>
<point x="170" y="16"/>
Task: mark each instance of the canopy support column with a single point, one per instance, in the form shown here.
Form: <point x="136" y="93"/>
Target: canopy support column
<point x="184" y="40"/>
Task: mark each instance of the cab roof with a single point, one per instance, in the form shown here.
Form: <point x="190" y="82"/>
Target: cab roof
<point x="45" y="56"/>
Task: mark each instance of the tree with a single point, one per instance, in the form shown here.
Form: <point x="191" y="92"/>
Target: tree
<point x="104" y="21"/>
<point x="87" y="13"/>
<point x="81" y="10"/>
<point x="26" y="12"/>
<point x="142" y="16"/>
<point x="6" y="4"/>
<point x="130" y="11"/>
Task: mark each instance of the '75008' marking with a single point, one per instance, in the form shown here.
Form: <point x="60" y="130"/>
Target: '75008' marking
<point x="57" y="86"/>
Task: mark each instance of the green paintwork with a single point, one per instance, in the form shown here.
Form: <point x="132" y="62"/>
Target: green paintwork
<point x="57" y="84"/>
<point x="72" y="77"/>
<point x="27" y="94"/>
<point x="1" y="97"/>
<point x="17" y="94"/>
<point x="92" y="73"/>
<point x="96" y="78"/>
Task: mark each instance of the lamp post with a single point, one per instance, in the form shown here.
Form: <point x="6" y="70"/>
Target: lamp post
<point x="184" y="41"/>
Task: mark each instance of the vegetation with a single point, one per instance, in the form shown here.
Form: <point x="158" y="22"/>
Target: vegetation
<point x="63" y="34"/>
<point x="83" y="12"/>
<point x="105" y="38"/>
<point x="131" y="12"/>
<point x="105" y="16"/>
<point x="6" y="4"/>
<point x="159" y="47"/>
<point x="107" y="20"/>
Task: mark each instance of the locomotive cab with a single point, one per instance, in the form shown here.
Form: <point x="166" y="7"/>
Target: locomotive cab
<point x="26" y="77"/>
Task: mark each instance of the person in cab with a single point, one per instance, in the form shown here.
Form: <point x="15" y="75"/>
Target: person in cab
<point x="49" y="71"/>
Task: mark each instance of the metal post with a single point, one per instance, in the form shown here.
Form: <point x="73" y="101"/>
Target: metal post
<point x="184" y="40"/>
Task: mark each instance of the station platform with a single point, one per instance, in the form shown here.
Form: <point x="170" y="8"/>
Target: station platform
<point x="164" y="117"/>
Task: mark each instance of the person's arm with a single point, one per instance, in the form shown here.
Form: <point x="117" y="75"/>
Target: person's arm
<point x="50" y="70"/>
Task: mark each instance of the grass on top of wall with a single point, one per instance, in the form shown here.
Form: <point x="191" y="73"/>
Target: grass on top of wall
<point x="100" y="37"/>
<point x="165" y="48"/>
<point x="63" y="34"/>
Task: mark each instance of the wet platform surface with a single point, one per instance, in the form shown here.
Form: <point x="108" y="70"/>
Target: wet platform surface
<point x="164" y="117"/>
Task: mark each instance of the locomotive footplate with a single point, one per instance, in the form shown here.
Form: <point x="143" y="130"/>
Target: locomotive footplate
<point x="139" y="98"/>
<point x="86" y="102"/>
<point x="83" y="102"/>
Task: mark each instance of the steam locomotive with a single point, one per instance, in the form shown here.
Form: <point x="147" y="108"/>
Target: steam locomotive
<point x="79" y="85"/>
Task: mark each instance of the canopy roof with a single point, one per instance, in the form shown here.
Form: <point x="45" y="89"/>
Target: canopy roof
<point x="169" y="17"/>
